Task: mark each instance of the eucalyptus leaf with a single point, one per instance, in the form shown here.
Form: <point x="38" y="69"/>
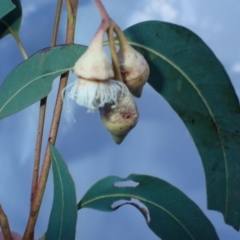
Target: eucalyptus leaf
<point x="6" y="7"/>
<point x="169" y="213"/>
<point x="10" y="23"/>
<point x="63" y="218"/>
<point x="188" y="75"/>
<point x="32" y="80"/>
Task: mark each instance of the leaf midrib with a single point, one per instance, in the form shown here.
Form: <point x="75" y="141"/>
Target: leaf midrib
<point x="205" y="103"/>
<point x="33" y="80"/>
<point x="143" y="200"/>
<point x="62" y="195"/>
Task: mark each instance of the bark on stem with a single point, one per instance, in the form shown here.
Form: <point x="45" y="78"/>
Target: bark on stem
<point x="4" y="225"/>
<point x="71" y="22"/>
<point x="42" y="112"/>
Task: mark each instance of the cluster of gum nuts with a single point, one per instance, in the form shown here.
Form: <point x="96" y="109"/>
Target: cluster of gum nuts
<point x="95" y="88"/>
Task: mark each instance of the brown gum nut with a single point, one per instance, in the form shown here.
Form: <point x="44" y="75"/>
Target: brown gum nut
<point x="135" y="85"/>
<point x="134" y="70"/>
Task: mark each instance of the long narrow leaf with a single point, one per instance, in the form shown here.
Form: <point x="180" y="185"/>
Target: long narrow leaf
<point x="193" y="81"/>
<point x="170" y="214"/>
<point x="32" y="80"/>
<point x="63" y="218"/>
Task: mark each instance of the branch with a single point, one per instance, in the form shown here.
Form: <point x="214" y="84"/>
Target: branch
<point x="4" y="225"/>
<point x="40" y="187"/>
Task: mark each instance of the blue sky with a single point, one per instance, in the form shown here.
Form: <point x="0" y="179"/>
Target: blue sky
<point x="159" y="145"/>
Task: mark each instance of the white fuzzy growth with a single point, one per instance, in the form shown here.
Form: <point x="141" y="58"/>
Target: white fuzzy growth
<point x="93" y="94"/>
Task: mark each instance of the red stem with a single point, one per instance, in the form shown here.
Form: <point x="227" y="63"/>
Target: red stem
<point x="102" y="10"/>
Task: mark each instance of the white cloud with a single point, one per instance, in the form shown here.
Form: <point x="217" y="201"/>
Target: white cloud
<point x="188" y="12"/>
<point x="155" y="9"/>
<point x="236" y="67"/>
<point x="29" y="9"/>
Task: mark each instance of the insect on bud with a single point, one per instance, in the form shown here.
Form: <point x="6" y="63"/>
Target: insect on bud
<point x="134" y="69"/>
<point x="120" y="119"/>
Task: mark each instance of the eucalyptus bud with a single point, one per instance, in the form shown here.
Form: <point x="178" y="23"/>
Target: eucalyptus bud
<point x="134" y="68"/>
<point x="121" y="119"/>
<point x="94" y="63"/>
<point x="94" y="86"/>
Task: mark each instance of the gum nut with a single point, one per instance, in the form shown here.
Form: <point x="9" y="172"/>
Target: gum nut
<point x="94" y="63"/>
<point x="134" y="69"/>
<point x="121" y="119"/>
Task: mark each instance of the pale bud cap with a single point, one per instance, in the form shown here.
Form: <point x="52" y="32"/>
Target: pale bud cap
<point x="94" y="63"/>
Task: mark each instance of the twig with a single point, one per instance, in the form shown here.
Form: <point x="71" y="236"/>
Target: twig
<point x="71" y="21"/>
<point x="106" y="18"/>
<point x="56" y="22"/>
<point x="121" y="37"/>
<point x="42" y="112"/>
<point x="4" y="225"/>
<point x="102" y="10"/>
<point x="116" y="68"/>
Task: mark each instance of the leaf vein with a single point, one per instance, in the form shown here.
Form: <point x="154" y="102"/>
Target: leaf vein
<point x="62" y="193"/>
<point x="207" y="106"/>
<point x="30" y="82"/>
<point x="143" y="200"/>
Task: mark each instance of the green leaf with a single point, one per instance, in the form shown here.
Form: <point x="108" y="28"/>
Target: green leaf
<point x="32" y="79"/>
<point x="6" y="7"/>
<point x="11" y="22"/>
<point x="172" y="214"/>
<point x="63" y="218"/>
<point x="193" y="81"/>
